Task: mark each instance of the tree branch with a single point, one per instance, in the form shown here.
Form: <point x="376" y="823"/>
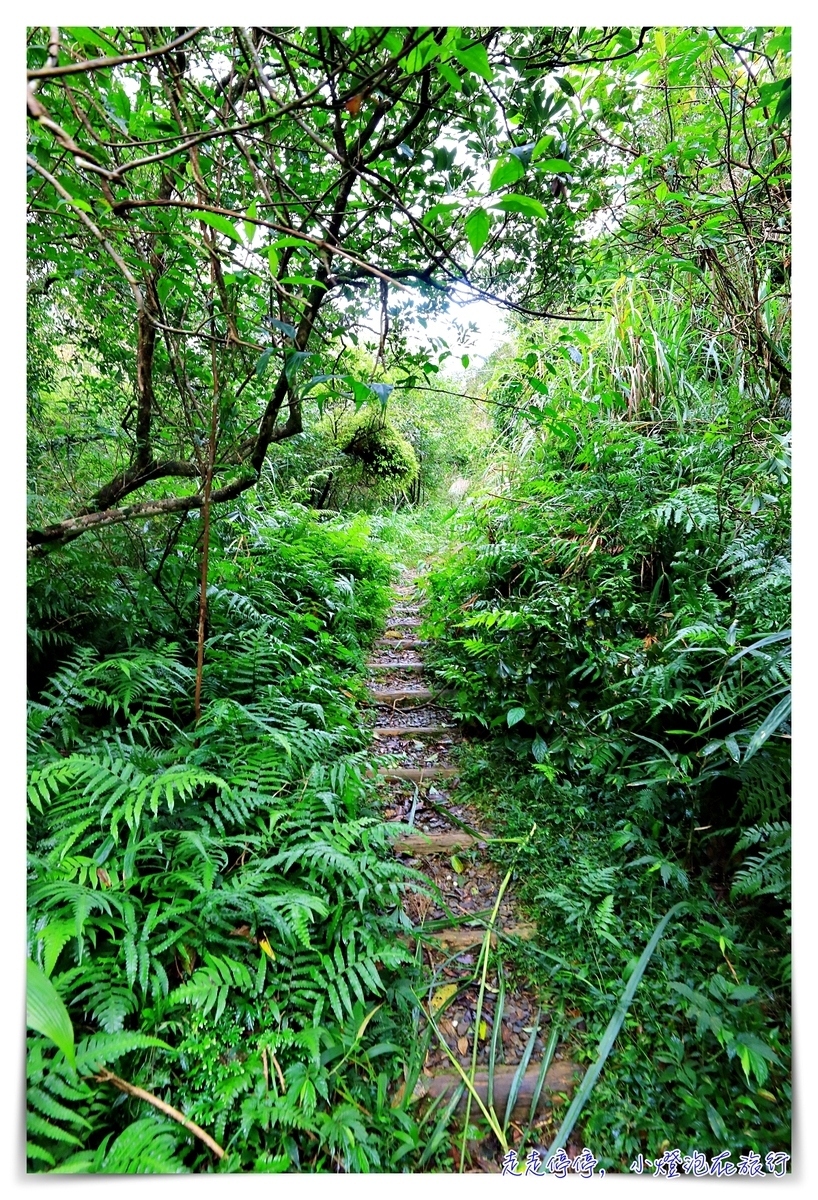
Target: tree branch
<point x="102" y="64"/>
<point x="41" y="541"/>
<point x="86" y="220"/>
<point x="106" y="1076"/>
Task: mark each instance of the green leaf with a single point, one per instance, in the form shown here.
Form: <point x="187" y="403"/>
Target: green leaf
<point x="458" y="865"/>
<point x="262" y="361"/>
<point x="717" y="1125"/>
<point x="440" y="210"/>
<point x="293" y="360"/>
<point x="452" y="78"/>
<point x="46" y="1012"/>
<point x="290" y="241"/>
<point x="216" y="221"/>
<point x="418" y="58"/>
<point x="555" y="166"/>
<point x="283" y="327"/>
<point x="382" y="391"/>
<point x="464" y="359"/>
<point x="475" y="59"/>
<point x="515" y="715"/>
<point x="778" y="715"/>
<point x="361" y="392"/>
<point x="784" y="106"/>
<point x="477" y="227"/>
<point x="507" y="169"/>
<point x="539" y="748"/>
<point x="272" y="259"/>
<point x="249" y="228"/>
<point x="521" y="204"/>
<point x="660" y="41"/>
<point x="565" y="85"/>
<point x="304" y="281"/>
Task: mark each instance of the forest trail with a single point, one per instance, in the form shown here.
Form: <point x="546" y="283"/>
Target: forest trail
<point x="448" y="842"/>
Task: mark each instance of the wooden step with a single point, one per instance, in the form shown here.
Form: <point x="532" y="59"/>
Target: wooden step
<point x="410" y="731"/>
<point x="461" y="938"/>
<point x="396" y="666"/>
<point x="390" y="695"/>
<point x="418" y="774"/>
<point x="424" y="844"/>
<point x="561" y="1077"/>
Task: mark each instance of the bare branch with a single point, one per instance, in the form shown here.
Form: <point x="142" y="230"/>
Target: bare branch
<point x="86" y="220"/>
<point x="106" y="1076"/>
<point x="102" y="64"/>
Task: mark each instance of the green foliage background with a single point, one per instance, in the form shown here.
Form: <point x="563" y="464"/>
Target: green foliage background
<point x="214" y="899"/>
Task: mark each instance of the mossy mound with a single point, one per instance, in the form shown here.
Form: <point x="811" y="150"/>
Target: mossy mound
<point x="387" y="461"/>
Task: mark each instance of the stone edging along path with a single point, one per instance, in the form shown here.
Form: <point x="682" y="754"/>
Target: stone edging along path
<point x="448" y="845"/>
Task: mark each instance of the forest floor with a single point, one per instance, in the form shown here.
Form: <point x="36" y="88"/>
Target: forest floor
<point x="501" y="1036"/>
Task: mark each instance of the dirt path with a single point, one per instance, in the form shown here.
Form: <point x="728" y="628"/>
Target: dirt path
<point x="448" y="842"/>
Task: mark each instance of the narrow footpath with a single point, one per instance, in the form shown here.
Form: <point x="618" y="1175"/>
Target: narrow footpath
<point x="447" y="842"/>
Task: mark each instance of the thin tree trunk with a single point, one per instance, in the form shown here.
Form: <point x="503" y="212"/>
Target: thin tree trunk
<point x="208" y="484"/>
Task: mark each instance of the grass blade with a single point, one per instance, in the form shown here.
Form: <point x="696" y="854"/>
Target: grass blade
<point x="610" y="1034"/>
<point x="496" y="1035"/>
<point x="439" y="1131"/>
<point x="544" y="1065"/>
<point x="473" y="1093"/>
<point x="516" y="1082"/>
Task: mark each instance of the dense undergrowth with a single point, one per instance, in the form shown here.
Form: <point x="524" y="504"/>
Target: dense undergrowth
<point x="214" y="910"/>
<point x="615" y="617"/>
<point x="216" y="905"/>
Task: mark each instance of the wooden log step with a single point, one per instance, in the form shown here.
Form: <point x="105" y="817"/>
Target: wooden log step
<point x="390" y="695"/>
<point x="461" y="938"/>
<point x="447" y="842"/>
<point x="561" y="1077"/>
<point x="410" y="731"/>
<point x="396" y="666"/>
<point x="418" y="774"/>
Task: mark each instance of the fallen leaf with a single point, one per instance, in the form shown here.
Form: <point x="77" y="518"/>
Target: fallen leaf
<point x="441" y="995"/>
<point x="482" y="1033"/>
<point x="463" y="1045"/>
<point x="458" y="864"/>
<point x="266" y="947"/>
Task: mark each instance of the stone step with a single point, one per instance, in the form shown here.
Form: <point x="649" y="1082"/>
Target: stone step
<point x="396" y="666"/>
<point x="410" y="731"/>
<point x="401" y="643"/>
<point x="418" y="774"/>
<point x="403" y="622"/>
<point x="390" y="695"/>
<point x="561" y="1077"/>
<point x="425" y="844"/>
